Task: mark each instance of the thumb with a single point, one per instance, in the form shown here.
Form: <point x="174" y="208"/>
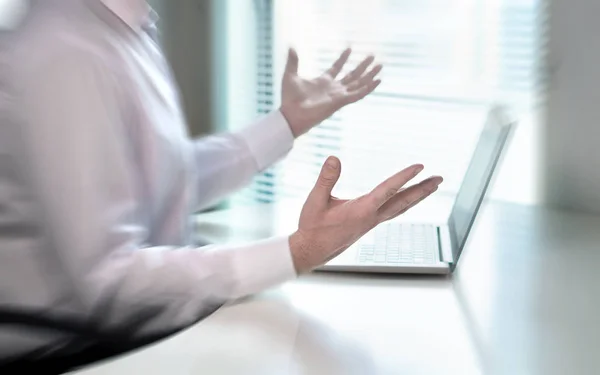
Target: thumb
<point x="292" y="62"/>
<point x="329" y="176"/>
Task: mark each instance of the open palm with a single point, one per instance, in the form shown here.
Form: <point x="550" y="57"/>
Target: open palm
<point x="328" y="225"/>
<point x="308" y="102"/>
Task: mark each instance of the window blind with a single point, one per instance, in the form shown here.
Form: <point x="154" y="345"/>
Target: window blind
<point x="444" y="62"/>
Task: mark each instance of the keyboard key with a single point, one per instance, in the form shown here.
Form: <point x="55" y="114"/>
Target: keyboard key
<point x="396" y="243"/>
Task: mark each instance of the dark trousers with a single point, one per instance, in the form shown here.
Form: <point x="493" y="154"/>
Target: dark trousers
<point x="60" y="364"/>
<point x="89" y="345"/>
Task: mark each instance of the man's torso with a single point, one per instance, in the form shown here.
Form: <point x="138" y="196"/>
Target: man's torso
<point x="30" y="275"/>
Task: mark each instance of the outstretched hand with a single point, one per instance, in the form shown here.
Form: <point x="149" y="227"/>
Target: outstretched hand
<point x="328" y="225"/>
<point x="308" y="102"/>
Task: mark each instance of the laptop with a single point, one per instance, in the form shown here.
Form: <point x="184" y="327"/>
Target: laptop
<point x="400" y="247"/>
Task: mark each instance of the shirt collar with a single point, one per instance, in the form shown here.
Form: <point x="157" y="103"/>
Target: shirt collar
<point x="135" y="13"/>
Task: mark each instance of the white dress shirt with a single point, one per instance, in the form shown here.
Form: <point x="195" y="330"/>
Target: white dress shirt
<point x="98" y="181"/>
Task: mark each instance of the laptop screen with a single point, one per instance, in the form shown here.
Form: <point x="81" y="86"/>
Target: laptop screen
<point x="477" y="178"/>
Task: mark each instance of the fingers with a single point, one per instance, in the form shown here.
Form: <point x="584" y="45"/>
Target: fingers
<point x="329" y="176"/>
<point x="390" y="187"/>
<point x="409" y="198"/>
<point x="337" y="66"/>
<point x="361" y="93"/>
<point x="365" y="79"/>
<point x="291" y="65"/>
<point x="410" y="206"/>
<point x="358" y="71"/>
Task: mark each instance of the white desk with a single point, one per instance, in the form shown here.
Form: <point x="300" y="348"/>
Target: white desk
<point x="525" y="300"/>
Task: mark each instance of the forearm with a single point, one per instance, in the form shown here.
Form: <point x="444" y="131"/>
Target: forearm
<point x="181" y="285"/>
<point x="226" y="163"/>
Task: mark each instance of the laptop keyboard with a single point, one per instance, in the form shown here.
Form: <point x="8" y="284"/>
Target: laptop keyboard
<point x="394" y="243"/>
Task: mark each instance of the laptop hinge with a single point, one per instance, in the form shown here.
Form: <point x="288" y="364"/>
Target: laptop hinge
<point x="439" y="243"/>
<point x="444" y="244"/>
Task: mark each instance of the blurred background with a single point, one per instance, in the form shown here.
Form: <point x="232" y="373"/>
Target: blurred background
<point x="444" y="62"/>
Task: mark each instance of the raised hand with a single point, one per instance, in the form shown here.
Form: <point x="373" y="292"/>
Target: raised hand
<point x="308" y="102"/>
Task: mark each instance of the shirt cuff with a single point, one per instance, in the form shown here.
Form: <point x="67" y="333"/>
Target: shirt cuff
<point x="262" y="265"/>
<point x="269" y="139"/>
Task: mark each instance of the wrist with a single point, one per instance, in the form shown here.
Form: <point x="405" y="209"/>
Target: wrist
<point x="300" y="251"/>
<point x="294" y="119"/>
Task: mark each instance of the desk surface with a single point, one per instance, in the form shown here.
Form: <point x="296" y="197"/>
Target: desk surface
<point x="525" y="299"/>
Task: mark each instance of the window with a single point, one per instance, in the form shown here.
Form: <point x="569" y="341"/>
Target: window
<point x="11" y="12"/>
<point x="444" y="62"/>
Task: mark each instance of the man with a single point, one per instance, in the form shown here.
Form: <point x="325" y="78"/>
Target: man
<point x="98" y="180"/>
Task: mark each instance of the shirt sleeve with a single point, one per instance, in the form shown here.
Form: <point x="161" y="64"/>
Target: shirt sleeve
<point x="226" y="163"/>
<point x="84" y="177"/>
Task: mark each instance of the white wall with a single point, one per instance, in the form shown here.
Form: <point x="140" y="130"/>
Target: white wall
<point x="570" y="144"/>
